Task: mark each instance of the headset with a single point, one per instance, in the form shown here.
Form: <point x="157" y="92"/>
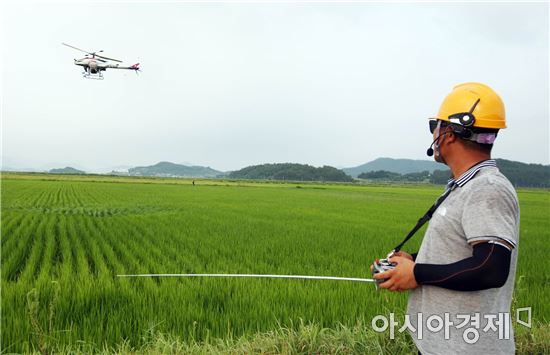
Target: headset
<point x="463" y="121"/>
<point x="430" y="151"/>
<point x="461" y="125"/>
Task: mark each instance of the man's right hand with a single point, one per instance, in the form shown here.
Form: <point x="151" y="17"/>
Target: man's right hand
<point x="401" y="254"/>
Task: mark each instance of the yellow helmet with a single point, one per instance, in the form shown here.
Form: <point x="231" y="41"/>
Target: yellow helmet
<point x="473" y="105"/>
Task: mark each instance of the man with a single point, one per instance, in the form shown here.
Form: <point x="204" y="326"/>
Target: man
<point x="464" y="271"/>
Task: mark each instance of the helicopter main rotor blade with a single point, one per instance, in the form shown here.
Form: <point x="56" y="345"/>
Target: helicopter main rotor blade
<point x="114" y="60"/>
<point x="94" y="54"/>
<point x="78" y="49"/>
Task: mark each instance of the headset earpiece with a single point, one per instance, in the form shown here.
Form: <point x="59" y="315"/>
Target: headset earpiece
<point x="462" y="132"/>
<point x="467" y="120"/>
<point x="466" y="133"/>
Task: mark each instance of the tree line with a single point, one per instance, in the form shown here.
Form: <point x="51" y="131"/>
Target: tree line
<point x="519" y="174"/>
<point x="383" y="175"/>
<point x="290" y="171"/>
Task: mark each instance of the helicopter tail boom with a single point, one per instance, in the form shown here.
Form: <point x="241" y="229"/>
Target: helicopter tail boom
<point x="131" y="67"/>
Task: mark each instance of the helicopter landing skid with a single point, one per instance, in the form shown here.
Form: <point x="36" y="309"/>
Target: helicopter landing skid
<point x="93" y="77"/>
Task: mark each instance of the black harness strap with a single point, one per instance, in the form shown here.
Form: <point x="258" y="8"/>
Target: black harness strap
<point x="427" y="216"/>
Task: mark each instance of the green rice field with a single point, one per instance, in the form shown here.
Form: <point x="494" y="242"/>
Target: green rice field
<point x="64" y="240"/>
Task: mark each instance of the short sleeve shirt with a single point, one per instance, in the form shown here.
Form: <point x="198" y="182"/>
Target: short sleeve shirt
<point x="483" y="206"/>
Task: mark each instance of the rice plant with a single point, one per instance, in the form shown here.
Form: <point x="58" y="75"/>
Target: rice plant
<point x="81" y="232"/>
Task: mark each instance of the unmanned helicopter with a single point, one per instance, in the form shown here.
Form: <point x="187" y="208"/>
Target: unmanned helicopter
<point x="94" y="64"/>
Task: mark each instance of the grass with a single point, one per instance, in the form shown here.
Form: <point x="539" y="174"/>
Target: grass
<point x="301" y="338"/>
<point x="82" y="231"/>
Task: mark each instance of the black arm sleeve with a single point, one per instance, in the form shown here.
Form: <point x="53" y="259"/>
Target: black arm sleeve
<point x="488" y="267"/>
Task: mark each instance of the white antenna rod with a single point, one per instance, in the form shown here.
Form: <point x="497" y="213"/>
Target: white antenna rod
<point x="254" y="275"/>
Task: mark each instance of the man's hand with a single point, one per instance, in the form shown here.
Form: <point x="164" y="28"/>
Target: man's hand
<point x="401" y="277"/>
<point x="403" y="254"/>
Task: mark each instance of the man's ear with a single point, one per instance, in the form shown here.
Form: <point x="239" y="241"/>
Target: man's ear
<point x="451" y="136"/>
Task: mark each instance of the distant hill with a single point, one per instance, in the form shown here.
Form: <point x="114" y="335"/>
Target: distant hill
<point x="290" y="171"/>
<point x="400" y="166"/>
<point x="167" y="169"/>
<point x="66" y="170"/>
<point x="381" y="169"/>
<point x="519" y="174"/>
<point x="522" y="174"/>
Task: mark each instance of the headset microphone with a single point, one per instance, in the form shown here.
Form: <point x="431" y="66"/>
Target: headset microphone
<point x="430" y="151"/>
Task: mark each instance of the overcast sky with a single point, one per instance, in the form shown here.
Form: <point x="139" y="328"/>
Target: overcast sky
<point x="231" y="84"/>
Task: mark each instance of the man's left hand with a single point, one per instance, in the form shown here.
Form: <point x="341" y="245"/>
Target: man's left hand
<point x="401" y="277"/>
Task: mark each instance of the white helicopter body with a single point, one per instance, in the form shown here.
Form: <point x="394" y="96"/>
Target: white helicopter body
<point x="94" y="65"/>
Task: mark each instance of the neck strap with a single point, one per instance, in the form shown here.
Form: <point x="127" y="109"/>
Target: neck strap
<point x="427" y="216"/>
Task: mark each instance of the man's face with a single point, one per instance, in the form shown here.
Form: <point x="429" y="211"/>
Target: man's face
<point x="435" y="127"/>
